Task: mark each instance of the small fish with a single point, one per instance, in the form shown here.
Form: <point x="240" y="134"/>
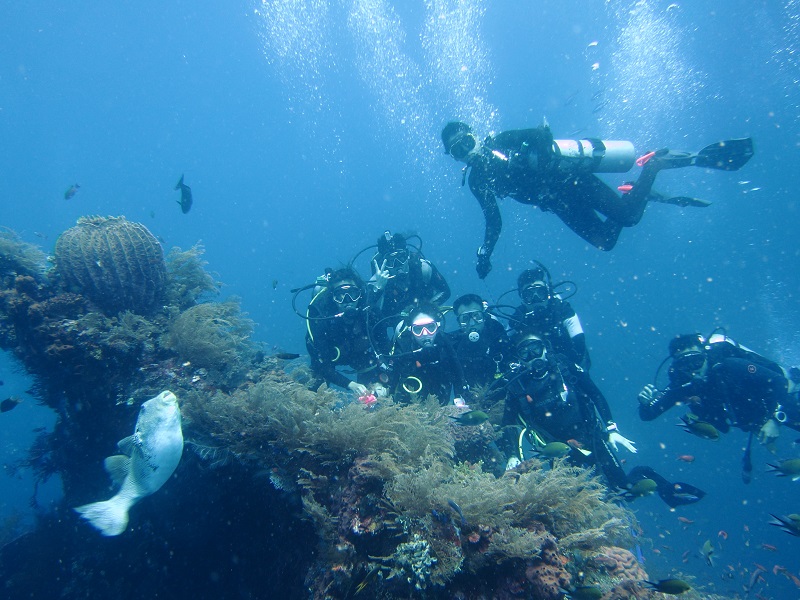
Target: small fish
<point x="10" y="403"/>
<point x="571" y="97"/>
<point x="152" y="214"/>
<point x="707" y="552"/>
<point x="685" y="520"/>
<point x="600" y="106"/>
<point x="769" y="547"/>
<point x="554" y="450"/>
<point x="471" y="418"/>
<point x="787" y="468"/>
<point x="673" y="587"/>
<point x="40" y="235"/>
<point x="186" y="196"/>
<point x="722" y="534"/>
<point x="286" y="355"/>
<point x="789" y="523"/>
<point x="584" y="592"/>
<point x="274" y="284"/>
<point x="598" y="94"/>
<point x="643" y="487"/>
<point x="459" y="512"/>
<point x="701" y="429"/>
<point x="687" y="458"/>
<point x="70" y="193"/>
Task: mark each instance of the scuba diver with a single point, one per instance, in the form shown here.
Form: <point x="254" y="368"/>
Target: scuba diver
<point x="557" y="176"/>
<point x="422" y="361"/>
<point x="337" y="334"/>
<point x="482" y="347"/>
<point x="546" y="314"/>
<point x="402" y="277"/>
<point x="548" y="402"/>
<point x="725" y="385"/>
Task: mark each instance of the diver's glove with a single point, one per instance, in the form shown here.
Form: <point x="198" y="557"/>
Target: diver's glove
<point x="484" y="264"/>
<point x="358" y="388"/>
<point x="648" y="395"/>
<point x="614" y="438"/>
<point x="769" y="432"/>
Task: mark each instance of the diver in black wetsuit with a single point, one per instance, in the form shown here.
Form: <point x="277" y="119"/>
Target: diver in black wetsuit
<point x="726" y="385"/>
<point x="548" y="401"/>
<point x="531" y="167"/>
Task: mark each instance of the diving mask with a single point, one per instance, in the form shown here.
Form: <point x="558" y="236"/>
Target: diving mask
<point x="346" y="294"/>
<point x="462" y="144"/>
<point x="536" y="293"/>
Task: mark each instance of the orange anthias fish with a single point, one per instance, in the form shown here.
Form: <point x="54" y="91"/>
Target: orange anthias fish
<point x="687" y="458"/>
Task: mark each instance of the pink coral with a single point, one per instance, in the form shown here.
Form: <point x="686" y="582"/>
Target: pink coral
<point x="619" y="563"/>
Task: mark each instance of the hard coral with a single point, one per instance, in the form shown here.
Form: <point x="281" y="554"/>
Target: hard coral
<point x="547" y="576"/>
<point x="618" y="563"/>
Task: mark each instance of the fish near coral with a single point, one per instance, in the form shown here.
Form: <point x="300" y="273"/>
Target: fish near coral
<point x="150" y="457"/>
<point x="787" y="468"/>
<point x="707" y="552"/>
<point x="673" y="587"/>
<point x="471" y="418"/>
<point x="554" y="450"/>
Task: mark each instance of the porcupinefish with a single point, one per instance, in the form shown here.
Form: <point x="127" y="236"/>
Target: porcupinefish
<point x="149" y="458"/>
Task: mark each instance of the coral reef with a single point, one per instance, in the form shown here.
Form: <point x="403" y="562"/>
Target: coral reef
<point x="117" y="264"/>
<point x="187" y="279"/>
<point x="18" y="257"/>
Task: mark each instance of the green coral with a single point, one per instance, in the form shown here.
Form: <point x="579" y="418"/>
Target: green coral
<point x="18" y="257"/>
<point x="187" y="279"/>
<point x="214" y="336"/>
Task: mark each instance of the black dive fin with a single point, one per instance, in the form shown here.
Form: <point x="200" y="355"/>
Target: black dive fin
<point x="728" y="155"/>
<point x="672" y="493"/>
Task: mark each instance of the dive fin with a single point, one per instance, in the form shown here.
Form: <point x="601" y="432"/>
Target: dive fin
<point x="683" y="201"/>
<point x="728" y="155"/>
<point x="672" y="493"/>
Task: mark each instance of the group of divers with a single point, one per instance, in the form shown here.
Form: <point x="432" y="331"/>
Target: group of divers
<point x="384" y="335"/>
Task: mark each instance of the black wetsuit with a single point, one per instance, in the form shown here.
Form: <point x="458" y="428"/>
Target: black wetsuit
<point x="741" y="389"/>
<point x="564" y="405"/>
<point x="422" y="371"/>
<point x="423" y="283"/>
<point x="557" y="323"/>
<point x="486" y="361"/>
<point x="516" y="164"/>
<point x="340" y="341"/>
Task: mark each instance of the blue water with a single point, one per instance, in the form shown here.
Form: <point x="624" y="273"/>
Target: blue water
<point x="307" y="128"/>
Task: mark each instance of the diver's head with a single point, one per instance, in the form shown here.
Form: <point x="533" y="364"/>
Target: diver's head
<point x="347" y="290"/>
<point x="393" y="254"/>
<point x="470" y="310"/>
<point x="533" y="287"/>
<point x="424" y="323"/>
<point x="689" y="360"/>
<point x="458" y="140"/>
<point x="532" y="354"/>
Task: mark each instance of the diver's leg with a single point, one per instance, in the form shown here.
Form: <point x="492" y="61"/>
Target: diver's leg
<point x="583" y="220"/>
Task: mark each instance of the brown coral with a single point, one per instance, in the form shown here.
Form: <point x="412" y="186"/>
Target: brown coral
<point x="116" y="263"/>
<point x="547" y="576"/>
<point x="618" y="563"/>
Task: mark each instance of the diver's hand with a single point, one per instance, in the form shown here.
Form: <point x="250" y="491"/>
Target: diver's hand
<point x="512" y="463"/>
<point x="358" y="388"/>
<point x="648" y="394"/>
<point x="382" y="275"/>
<point x="614" y="438"/>
<point x="380" y="391"/>
<point x="484" y="264"/>
<point x="769" y="432"/>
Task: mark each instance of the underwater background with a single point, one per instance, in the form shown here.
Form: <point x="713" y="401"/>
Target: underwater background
<point x="307" y="128"/>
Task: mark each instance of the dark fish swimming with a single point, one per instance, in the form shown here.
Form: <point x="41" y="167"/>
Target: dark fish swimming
<point x="73" y="189"/>
<point x="473" y="417"/>
<point x="9" y="403"/>
<point x="186" y="196"/>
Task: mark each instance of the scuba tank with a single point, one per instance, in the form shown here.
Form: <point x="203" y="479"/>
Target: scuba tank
<point x="592" y="155"/>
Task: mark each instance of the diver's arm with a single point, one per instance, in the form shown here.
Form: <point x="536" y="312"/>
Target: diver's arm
<point x="653" y="403"/>
<point x="491" y="215"/>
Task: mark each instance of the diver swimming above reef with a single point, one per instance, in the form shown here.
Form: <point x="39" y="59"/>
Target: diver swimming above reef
<point x="557" y="176"/>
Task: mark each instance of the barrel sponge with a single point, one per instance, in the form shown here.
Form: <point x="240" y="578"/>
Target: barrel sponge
<point x="117" y="264"/>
